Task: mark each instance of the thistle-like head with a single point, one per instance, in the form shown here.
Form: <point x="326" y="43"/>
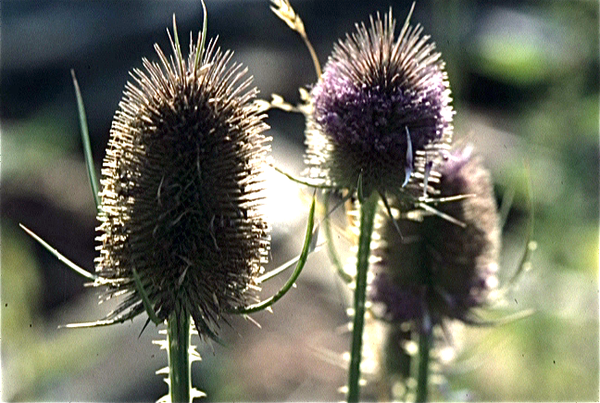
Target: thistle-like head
<point x="183" y="188"/>
<point x="380" y="111"/>
<point x="441" y="268"/>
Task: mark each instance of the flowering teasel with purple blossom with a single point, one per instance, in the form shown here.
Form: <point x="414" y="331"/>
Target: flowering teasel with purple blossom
<point x="380" y="111"/>
<point x="379" y="126"/>
<point x="378" y="119"/>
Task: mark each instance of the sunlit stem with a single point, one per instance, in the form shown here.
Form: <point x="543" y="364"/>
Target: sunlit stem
<point x="313" y="54"/>
<point x="367" y="220"/>
<point x="178" y="338"/>
<point x="283" y="9"/>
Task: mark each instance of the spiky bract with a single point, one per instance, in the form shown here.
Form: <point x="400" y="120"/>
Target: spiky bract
<point x="439" y="268"/>
<point x="376" y="89"/>
<point x="183" y="186"/>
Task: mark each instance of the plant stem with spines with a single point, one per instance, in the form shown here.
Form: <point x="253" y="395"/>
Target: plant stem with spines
<point x="178" y="339"/>
<point x="425" y="342"/>
<point x="367" y="219"/>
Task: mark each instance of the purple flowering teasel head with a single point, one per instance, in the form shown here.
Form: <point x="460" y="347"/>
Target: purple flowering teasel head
<point x="440" y="268"/>
<point x="183" y="189"/>
<point x="380" y="111"/>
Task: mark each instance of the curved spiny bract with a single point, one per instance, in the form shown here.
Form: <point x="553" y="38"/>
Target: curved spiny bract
<point x="183" y="188"/>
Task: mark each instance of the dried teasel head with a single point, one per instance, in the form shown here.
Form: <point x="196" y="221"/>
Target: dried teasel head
<point x="380" y="111"/>
<point x="183" y="188"/>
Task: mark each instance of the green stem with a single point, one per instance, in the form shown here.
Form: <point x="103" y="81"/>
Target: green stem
<point x="367" y="219"/>
<point x="178" y="337"/>
<point x="425" y="342"/>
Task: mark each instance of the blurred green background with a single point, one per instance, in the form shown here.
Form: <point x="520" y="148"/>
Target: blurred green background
<point x="525" y="79"/>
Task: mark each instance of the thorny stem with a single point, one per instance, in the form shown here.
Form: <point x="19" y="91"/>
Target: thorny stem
<point x="367" y="219"/>
<point x="178" y="339"/>
<point x="425" y="343"/>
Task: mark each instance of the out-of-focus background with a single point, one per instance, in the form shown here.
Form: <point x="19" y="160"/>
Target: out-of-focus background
<point x="525" y="78"/>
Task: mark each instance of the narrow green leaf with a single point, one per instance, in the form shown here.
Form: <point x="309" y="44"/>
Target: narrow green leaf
<point x="200" y="51"/>
<point x="60" y="256"/>
<point x="504" y="320"/>
<point x="505" y="205"/>
<point x="104" y="322"/>
<point x="177" y="44"/>
<point x="85" y="138"/>
<point x="530" y="245"/>
<point x="301" y="181"/>
<point x="145" y="298"/>
<point x="308" y="244"/>
<point x="359" y="188"/>
<point x="98" y="323"/>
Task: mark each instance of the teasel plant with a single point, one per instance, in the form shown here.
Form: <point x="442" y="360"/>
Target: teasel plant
<point x="378" y="125"/>
<point x="435" y="274"/>
<point x="183" y="233"/>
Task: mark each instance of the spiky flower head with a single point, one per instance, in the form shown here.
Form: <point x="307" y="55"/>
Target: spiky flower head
<point x="182" y="196"/>
<point x="380" y="111"/>
<point x="441" y="268"/>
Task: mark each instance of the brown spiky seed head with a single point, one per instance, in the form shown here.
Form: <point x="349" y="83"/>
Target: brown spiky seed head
<point x="380" y="111"/>
<point x="439" y="267"/>
<point x="183" y="188"/>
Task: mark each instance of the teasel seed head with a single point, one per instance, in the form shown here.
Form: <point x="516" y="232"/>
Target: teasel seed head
<point x="380" y="111"/>
<point x="440" y="268"/>
<point x="183" y="188"/>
